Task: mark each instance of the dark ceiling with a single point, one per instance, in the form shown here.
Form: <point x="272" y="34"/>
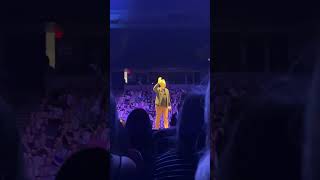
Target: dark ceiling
<point x="80" y="17"/>
<point x="57" y="10"/>
<point x="226" y="13"/>
<point x="275" y="13"/>
<point x="271" y="12"/>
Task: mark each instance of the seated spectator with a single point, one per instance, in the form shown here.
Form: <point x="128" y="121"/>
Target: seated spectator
<point x="181" y="162"/>
<point x="164" y="139"/>
<point x="190" y="130"/>
<point x="121" y="167"/>
<point x="266" y="141"/>
<point x="139" y="130"/>
<point x="203" y="169"/>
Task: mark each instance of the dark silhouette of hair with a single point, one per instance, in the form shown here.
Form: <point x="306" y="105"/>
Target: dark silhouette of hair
<point x="86" y="164"/>
<point x="190" y="129"/>
<point x="266" y="140"/>
<point x="139" y="130"/>
<point x="11" y="162"/>
<point x="203" y="169"/>
<point x="125" y="167"/>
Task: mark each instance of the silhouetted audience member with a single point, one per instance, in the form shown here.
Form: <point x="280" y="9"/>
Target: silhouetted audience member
<point x="118" y="136"/>
<point x="266" y="141"/>
<point x="122" y="167"/>
<point x="139" y="126"/>
<point x="86" y="164"/>
<point x="181" y="162"/>
<point x="139" y="130"/>
<point x="11" y="162"/>
<point x="203" y="169"/>
<point x="164" y="139"/>
<point x="191" y="133"/>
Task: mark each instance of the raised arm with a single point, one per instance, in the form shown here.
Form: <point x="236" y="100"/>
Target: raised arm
<point x="155" y="88"/>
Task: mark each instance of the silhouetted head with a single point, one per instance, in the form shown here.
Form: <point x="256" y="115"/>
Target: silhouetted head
<point x="203" y="169"/>
<point x="139" y="129"/>
<point x="266" y="142"/>
<point x="190" y="128"/>
<point x="86" y="164"/>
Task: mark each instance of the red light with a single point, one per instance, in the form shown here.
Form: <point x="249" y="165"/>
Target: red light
<point x="58" y="32"/>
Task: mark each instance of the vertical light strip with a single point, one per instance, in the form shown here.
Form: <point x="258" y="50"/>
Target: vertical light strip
<point x="50" y="44"/>
<point x="125" y="76"/>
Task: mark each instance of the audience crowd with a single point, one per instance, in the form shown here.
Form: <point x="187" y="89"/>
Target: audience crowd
<point x="70" y="129"/>
<point x="144" y="98"/>
<point x="172" y="153"/>
<point x="64" y="124"/>
<point x="257" y="127"/>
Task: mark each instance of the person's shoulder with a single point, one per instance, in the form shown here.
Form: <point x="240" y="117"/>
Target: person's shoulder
<point x="126" y="163"/>
<point x="128" y="166"/>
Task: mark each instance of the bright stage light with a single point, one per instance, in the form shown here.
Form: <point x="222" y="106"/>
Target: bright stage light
<point x="125" y="75"/>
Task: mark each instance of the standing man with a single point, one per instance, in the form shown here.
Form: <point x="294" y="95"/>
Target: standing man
<point x="162" y="102"/>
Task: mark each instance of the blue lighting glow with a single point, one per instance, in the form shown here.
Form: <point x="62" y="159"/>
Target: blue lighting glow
<point x="118" y="19"/>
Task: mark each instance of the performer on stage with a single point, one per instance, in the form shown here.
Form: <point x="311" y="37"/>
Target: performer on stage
<point x="162" y="103"/>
